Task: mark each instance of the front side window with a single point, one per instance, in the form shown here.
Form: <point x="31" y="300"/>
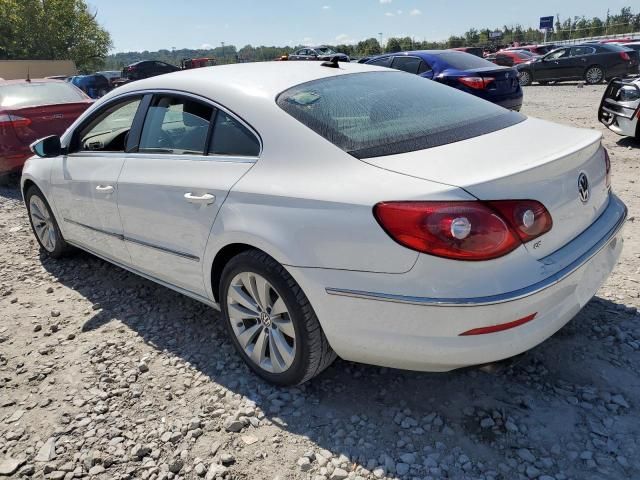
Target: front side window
<point x="406" y="64"/>
<point x="374" y="114"/>
<point x="109" y="130"/>
<point x="232" y="138"/>
<point x="562" y="53"/>
<point x="175" y="125"/>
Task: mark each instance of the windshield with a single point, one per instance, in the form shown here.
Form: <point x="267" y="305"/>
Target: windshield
<point x="324" y="50"/>
<point x="384" y="113"/>
<point x="18" y="95"/>
<point x="464" y="61"/>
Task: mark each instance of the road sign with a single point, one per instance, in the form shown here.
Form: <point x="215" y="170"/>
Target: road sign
<point x="546" y="23"/>
<point x="495" y="35"/>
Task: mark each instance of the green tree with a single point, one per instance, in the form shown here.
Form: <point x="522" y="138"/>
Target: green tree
<point x="52" y="30"/>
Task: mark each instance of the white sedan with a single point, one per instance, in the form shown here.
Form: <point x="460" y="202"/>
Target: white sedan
<point x="333" y="209"/>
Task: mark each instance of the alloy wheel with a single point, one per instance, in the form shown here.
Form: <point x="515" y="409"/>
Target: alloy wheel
<point x="42" y="223"/>
<point x="261" y="322"/>
<point x="524" y="78"/>
<point x="594" y="75"/>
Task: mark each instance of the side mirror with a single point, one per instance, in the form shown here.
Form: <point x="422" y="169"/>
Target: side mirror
<point x="47" y="147"/>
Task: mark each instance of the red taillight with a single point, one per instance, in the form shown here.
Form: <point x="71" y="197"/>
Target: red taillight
<point x="607" y="168"/>
<point x="500" y="327"/>
<point x="476" y="82"/>
<point x="465" y="230"/>
<point x="529" y="218"/>
<point x="624" y="56"/>
<point x="13" y="120"/>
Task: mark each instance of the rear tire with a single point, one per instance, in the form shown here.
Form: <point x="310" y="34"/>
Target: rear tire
<point x="525" y="78"/>
<point x="594" y="75"/>
<point x="272" y="324"/>
<point x="44" y="224"/>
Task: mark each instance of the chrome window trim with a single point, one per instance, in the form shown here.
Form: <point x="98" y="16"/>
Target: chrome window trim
<point x="124" y="238"/>
<point x="500" y="298"/>
<point x="208" y="101"/>
<point x="134" y="155"/>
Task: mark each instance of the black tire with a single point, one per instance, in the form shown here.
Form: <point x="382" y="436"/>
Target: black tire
<point x="61" y="247"/>
<point x="312" y="350"/>
<point x="594" y="75"/>
<point x="525" y="78"/>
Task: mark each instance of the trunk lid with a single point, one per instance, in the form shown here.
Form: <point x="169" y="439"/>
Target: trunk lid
<point x="505" y="80"/>
<point x="534" y="160"/>
<point x="46" y="120"/>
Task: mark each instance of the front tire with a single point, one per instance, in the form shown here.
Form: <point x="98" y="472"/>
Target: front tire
<point x="270" y="320"/>
<point x="525" y="78"/>
<point x="594" y="75"/>
<point x="44" y="224"/>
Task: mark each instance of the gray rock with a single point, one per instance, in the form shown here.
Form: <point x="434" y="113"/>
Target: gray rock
<point x="487" y="422"/>
<point x="233" y="426"/>
<point x="408" y="458"/>
<point x="200" y="469"/>
<point x="176" y="465"/>
<point x="402" y="468"/>
<point x="47" y="452"/>
<point x="8" y="465"/>
<point x="339" y="474"/>
<point x="96" y="470"/>
<point x="227" y="459"/>
<point x="304" y="464"/>
<point x="215" y="470"/>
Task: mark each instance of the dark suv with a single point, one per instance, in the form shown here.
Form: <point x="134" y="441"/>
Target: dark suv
<point x="590" y="62"/>
<point x="146" y="69"/>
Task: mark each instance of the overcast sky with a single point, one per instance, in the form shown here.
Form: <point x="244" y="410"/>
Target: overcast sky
<point x="156" y="24"/>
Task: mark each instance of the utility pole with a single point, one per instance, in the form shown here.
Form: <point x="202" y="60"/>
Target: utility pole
<point x="380" y="35"/>
<point x="222" y="51"/>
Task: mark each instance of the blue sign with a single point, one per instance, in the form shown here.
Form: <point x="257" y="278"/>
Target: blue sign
<point x="546" y="23"/>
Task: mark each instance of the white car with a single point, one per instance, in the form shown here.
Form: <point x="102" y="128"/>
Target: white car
<point x="333" y="210"/>
<point x="620" y="107"/>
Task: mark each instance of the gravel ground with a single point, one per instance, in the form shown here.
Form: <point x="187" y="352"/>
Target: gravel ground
<point x="106" y="375"/>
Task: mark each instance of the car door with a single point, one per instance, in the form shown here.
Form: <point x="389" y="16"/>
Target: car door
<point x="84" y="181"/>
<point x="170" y="190"/>
<point x="555" y="65"/>
<point x="581" y="57"/>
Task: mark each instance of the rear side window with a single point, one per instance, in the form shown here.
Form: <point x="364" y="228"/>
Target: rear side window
<point x="463" y="61"/>
<point x="176" y="125"/>
<point x="28" y="94"/>
<point x="381" y="62"/>
<point x="578" y="51"/>
<point x="232" y="138"/>
<point x="407" y="64"/>
<point x="383" y="113"/>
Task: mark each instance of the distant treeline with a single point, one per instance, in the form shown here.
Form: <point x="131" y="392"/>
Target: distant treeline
<point x="577" y="27"/>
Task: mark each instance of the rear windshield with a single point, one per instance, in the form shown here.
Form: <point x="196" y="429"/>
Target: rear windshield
<point x="29" y="94"/>
<point x="464" y="61"/>
<point x="385" y="113"/>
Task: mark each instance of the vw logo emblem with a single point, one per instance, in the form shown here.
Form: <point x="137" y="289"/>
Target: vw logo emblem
<point x="583" y="188"/>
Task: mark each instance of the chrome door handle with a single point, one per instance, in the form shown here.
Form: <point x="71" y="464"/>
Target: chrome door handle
<point x="105" y="189"/>
<point x="206" y="199"/>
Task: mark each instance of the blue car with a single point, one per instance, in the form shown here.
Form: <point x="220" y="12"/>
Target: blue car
<point x="460" y="70"/>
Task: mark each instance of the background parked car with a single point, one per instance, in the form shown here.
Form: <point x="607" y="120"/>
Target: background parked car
<point x="535" y="49"/>
<point x="318" y="53"/>
<point x="592" y="63"/>
<point x="111" y="75"/>
<point x="30" y="110"/>
<point x="95" y="86"/>
<point x="477" y="51"/>
<point x="460" y="70"/>
<point x="620" y="107"/>
<point x="146" y="69"/>
<point x="509" y="58"/>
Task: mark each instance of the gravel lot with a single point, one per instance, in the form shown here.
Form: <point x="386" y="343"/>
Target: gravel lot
<point x="106" y="375"/>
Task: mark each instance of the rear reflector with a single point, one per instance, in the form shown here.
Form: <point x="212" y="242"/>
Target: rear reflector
<point x="500" y="327"/>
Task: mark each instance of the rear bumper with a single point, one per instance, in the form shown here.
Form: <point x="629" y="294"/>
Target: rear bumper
<point x="424" y="333"/>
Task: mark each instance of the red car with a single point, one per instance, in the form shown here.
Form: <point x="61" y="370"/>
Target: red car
<point x="509" y="58"/>
<point x="535" y="49"/>
<point x="30" y="110"/>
